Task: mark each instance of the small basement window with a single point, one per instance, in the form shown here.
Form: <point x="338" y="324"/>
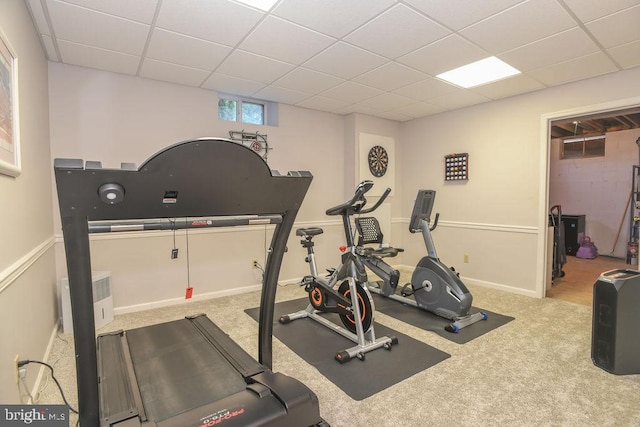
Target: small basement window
<point x="245" y="110"/>
<point x="574" y="148"/>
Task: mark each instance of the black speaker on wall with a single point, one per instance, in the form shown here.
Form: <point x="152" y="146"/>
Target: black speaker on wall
<point x="615" y="339"/>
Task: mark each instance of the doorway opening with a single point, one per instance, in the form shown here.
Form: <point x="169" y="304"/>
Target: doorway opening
<point x="596" y="188"/>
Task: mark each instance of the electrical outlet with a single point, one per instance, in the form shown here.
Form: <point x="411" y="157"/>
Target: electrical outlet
<point x="22" y="373"/>
<point x="466" y="258"/>
<point x="255" y="264"/>
<point x="15" y="367"/>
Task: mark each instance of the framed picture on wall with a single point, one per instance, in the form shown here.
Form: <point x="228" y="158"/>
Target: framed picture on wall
<point x="9" y="125"/>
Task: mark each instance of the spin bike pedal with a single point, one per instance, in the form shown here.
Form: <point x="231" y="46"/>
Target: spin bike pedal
<point x="307" y="282"/>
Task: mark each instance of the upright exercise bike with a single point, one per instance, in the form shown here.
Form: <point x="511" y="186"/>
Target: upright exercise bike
<point x="435" y="287"/>
<point x="351" y="301"/>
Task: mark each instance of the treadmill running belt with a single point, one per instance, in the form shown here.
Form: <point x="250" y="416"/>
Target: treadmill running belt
<point x="178" y="369"/>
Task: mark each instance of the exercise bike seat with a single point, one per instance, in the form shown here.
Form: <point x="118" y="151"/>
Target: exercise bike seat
<point x="309" y="232"/>
<point x="382" y="252"/>
<point x="369" y="232"/>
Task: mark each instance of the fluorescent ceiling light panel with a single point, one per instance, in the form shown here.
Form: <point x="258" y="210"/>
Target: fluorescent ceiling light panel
<point x="265" y="5"/>
<point x="478" y="73"/>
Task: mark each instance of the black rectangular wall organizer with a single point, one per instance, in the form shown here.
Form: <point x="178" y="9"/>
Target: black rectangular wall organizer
<point x="456" y="167"/>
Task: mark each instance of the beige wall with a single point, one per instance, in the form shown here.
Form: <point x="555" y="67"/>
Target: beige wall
<point x="494" y="218"/>
<point x="27" y="272"/>
<point x="113" y="118"/>
<point x="498" y="217"/>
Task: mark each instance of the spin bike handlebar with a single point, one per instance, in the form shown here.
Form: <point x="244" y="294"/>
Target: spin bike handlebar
<point x="378" y="203"/>
<point x="358" y="201"/>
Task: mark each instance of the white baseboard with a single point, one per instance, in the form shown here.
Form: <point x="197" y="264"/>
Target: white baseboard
<point x="500" y="287"/>
<point x="484" y="283"/>
<point x="176" y="301"/>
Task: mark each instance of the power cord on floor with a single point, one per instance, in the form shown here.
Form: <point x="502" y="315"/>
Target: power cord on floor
<point x="53" y="364"/>
<point x="21" y="363"/>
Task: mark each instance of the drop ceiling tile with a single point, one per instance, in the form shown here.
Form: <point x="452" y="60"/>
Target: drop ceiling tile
<point x="627" y="55"/>
<point x="280" y="94"/>
<point x="589" y="10"/>
<point x="322" y="103"/>
<point x="309" y="81"/>
<point x="390" y="76"/>
<point x="50" y="48"/>
<point x="459" y="14"/>
<point x="394" y="115"/>
<point x="426" y="89"/>
<point x="184" y="50"/>
<point x="351" y="92"/>
<point x="219" y="21"/>
<point x="138" y="10"/>
<point x="358" y="108"/>
<point x="458" y="99"/>
<point x="282" y="40"/>
<point x="504" y="88"/>
<point x="247" y="66"/>
<point x="94" y="57"/>
<point x="419" y="109"/>
<point x="335" y="18"/>
<point x="522" y="24"/>
<point x="576" y="69"/>
<point x="264" y="5"/>
<point x="560" y="47"/>
<point x="172" y="73"/>
<point x="345" y="61"/>
<point x="232" y="85"/>
<point x="38" y="17"/>
<point x="443" y="55"/>
<point x="80" y="25"/>
<point x="386" y="101"/>
<point x="617" y="29"/>
<point x="396" y="32"/>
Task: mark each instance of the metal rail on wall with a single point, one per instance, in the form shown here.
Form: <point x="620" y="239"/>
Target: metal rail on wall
<point x="254" y="140"/>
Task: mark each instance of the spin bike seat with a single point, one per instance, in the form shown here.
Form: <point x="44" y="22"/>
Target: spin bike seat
<point x="309" y="232"/>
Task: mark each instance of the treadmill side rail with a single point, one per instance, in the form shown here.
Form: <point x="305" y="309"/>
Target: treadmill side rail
<point x="119" y="392"/>
<point x="240" y="359"/>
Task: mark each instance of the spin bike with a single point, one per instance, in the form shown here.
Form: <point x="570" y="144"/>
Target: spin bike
<point x="351" y="301"/>
<point x="435" y="287"/>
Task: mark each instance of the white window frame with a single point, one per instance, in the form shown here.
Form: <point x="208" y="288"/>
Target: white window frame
<point x="239" y="101"/>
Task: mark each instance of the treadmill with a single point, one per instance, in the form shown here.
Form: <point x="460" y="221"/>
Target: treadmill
<point x="186" y="372"/>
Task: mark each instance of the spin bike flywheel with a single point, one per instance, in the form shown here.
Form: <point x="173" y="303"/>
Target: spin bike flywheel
<point x="365" y="302"/>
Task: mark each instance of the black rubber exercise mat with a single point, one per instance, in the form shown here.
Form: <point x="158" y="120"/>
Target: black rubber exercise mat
<point x="381" y="369"/>
<point x="428" y="321"/>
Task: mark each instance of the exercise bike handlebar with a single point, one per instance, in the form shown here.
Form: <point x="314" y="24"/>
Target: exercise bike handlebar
<point x="378" y="203"/>
<point x="358" y="201"/>
<point x="435" y="222"/>
<point x="355" y="204"/>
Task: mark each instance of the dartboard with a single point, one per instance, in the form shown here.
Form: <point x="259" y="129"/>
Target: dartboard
<point x="378" y="160"/>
